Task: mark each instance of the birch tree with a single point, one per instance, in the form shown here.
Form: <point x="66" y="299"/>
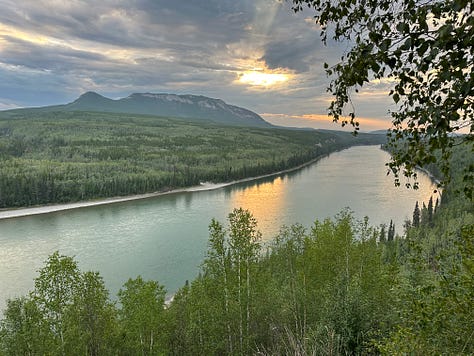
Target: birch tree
<point x="244" y="250"/>
<point x="142" y="316"/>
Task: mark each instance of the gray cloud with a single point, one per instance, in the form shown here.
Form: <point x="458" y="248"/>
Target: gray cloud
<point x="52" y="57"/>
<point x="53" y="51"/>
<point x="296" y="55"/>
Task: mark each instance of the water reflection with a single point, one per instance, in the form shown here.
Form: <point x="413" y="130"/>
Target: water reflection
<point x="266" y="200"/>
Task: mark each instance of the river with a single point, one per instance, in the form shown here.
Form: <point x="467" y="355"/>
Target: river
<point x="165" y="238"/>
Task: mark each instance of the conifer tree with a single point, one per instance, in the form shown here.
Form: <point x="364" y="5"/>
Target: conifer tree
<point x="430" y="211"/>
<point x="391" y="231"/>
<point x="382" y="236"/>
<point x="416" y="216"/>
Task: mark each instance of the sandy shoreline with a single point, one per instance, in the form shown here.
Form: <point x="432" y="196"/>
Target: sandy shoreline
<point x="22" y="212"/>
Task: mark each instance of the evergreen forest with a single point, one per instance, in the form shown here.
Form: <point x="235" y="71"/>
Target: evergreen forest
<point x="59" y="157"/>
<point x="340" y="287"/>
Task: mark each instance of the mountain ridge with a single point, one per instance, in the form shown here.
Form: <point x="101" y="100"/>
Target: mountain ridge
<point x="166" y="104"/>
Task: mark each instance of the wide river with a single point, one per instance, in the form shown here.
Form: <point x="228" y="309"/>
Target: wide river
<point x="165" y="238"/>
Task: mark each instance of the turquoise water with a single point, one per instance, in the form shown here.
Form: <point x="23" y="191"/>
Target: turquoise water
<point x="165" y="238"/>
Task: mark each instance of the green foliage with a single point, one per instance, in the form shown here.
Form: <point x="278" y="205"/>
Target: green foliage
<point x="324" y="291"/>
<point x="435" y="291"/>
<point x="91" y="320"/>
<point x="424" y="49"/>
<point x="23" y="331"/>
<point x="55" y="289"/>
<point x="224" y="299"/>
<point x="68" y="313"/>
<point x="437" y="308"/>
<point x="142" y="317"/>
<point x="56" y="157"/>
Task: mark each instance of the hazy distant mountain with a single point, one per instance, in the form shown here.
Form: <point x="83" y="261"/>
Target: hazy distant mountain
<point x="182" y="106"/>
<point x="379" y="132"/>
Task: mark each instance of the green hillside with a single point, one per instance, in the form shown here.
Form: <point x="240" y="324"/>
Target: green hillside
<point x="56" y="157"/>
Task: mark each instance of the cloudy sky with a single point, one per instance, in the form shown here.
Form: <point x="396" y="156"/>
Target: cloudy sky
<point x="253" y="53"/>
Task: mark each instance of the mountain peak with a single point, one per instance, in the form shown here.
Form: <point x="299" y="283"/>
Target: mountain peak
<point x="90" y="95"/>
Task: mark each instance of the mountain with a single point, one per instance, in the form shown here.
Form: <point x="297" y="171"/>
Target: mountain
<point x="379" y="132"/>
<point x="182" y="106"/>
<point x="91" y="101"/>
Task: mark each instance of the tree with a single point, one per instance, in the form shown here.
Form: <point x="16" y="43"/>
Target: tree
<point x="382" y="235"/>
<point x="425" y="49"/>
<point x="23" y="330"/>
<point x="288" y="264"/>
<point x="391" y="231"/>
<point x="68" y="313"/>
<point x="244" y="247"/>
<point x="424" y="214"/>
<point x="217" y="266"/>
<point x="437" y="309"/>
<point x="430" y="211"/>
<point x="90" y="321"/>
<point x="54" y="292"/>
<point x="416" y="216"/>
<point x="348" y="285"/>
<point x="142" y="316"/>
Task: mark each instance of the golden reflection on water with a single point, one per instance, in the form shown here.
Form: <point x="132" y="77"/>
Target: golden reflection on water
<point x="266" y="201"/>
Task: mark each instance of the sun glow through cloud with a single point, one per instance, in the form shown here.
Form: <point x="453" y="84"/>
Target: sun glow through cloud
<point x="262" y="79"/>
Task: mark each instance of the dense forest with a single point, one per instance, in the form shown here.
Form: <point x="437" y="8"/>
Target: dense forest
<point x="339" y="287"/>
<point x="58" y="157"/>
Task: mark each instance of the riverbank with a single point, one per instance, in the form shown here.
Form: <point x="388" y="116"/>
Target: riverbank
<point x="47" y="209"/>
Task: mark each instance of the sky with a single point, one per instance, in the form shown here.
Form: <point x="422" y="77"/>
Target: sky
<point x="257" y="54"/>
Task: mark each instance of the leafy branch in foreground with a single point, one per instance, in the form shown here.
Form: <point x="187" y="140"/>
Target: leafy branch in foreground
<point x="425" y="49"/>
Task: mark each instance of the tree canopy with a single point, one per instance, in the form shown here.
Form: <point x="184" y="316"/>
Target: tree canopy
<point x="425" y="48"/>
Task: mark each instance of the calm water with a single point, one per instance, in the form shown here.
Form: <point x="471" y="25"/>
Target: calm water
<point x="165" y="238"/>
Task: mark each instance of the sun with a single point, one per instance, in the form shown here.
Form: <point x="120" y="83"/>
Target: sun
<point x="262" y="79"/>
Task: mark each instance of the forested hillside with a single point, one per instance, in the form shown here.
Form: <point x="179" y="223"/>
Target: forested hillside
<point x="57" y="157"/>
<point x="341" y="287"/>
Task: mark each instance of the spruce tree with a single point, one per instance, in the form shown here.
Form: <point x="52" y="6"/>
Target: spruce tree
<point x="416" y="215"/>
<point x="430" y="211"/>
<point x="382" y="237"/>
<point x="391" y="231"/>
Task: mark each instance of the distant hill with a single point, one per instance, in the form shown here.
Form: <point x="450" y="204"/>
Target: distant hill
<point x="379" y="132"/>
<point x="194" y="107"/>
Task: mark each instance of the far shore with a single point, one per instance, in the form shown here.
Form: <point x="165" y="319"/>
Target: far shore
<point x="46" y="209"/>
